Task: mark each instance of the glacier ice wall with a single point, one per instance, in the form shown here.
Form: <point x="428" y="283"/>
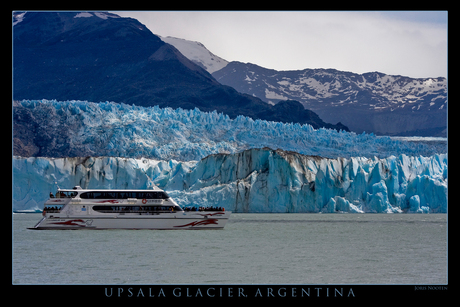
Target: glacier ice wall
<point x="255" y="180"/>
<point x="81" y="128"/>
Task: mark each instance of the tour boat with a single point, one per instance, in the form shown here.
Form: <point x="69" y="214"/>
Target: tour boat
<point x="79" y="208"/>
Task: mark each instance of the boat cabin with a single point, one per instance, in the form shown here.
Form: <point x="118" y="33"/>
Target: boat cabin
<point x="137" y="201"/>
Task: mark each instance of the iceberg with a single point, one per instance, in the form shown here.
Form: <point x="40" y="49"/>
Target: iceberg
<point x="252" y="180"/>
<point x="80" y="128"/>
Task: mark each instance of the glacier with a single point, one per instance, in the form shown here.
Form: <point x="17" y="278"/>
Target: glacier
<point x="81" y="128"/>
<point x="208" y="159"/>
<point x="252" y="180"/>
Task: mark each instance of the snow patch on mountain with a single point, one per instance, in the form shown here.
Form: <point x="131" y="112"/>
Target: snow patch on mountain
<point x="272" y="95"/>
<point x="18" y="17"/>
<point x="102" y="15"/>
<point x="83" y="15"/>
<point x="197" y="52"/>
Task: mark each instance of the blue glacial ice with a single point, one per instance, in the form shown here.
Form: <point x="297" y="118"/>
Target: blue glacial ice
<point x="254" y="180"/>
<point x="205" y="159"/>
<point x="120" y="130"/>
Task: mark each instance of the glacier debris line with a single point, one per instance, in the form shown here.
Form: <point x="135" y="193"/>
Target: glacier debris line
<point x="254" y="180"/>
<point x="49" y="128"/>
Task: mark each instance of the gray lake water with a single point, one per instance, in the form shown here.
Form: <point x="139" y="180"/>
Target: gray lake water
<point x="252" y="249"/>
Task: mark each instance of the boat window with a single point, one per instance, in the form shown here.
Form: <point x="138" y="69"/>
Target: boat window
<point x="160" y="195"/>
<point x="111" y="195"/>
<point x="124" y="195"/>
<point x="86" y="195"/>
<point x="64" y="194"/>
<point x="135" y="209"/>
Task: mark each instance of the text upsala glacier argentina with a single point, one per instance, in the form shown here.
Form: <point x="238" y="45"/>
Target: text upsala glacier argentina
<point x="229" y="292"/>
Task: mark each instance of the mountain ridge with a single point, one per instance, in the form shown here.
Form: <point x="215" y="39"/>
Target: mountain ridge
<point x="363" y="102"/>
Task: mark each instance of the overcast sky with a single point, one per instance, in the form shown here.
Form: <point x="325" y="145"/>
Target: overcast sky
<point x="411" y="44"/>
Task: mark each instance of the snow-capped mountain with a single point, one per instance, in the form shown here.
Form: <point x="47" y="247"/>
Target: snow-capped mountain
<point x="362" y="102"/>
<point x="197" y="53"/>
<point x="255" y="180"/>
<point x="372" y="102"/>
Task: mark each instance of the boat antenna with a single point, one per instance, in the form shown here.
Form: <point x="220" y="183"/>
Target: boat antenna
<point x="57" y="185"/>
<point x="150" y="184"/>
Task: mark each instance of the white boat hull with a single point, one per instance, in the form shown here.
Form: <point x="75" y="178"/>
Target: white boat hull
<point x="173" y="220"/>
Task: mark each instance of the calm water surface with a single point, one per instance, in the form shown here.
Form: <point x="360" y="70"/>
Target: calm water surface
<point x="253" y="248"/>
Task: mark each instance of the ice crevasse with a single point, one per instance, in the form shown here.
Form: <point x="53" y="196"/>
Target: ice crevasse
<point x="253" y="180"/>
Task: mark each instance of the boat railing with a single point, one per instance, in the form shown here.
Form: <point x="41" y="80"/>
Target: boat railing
<point x="52" y="210"/>
<point x="139" y="212"/>
<point x="143" y="211"/>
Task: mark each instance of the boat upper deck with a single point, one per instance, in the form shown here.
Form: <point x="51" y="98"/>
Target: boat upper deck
<point x="110" y="194"/>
